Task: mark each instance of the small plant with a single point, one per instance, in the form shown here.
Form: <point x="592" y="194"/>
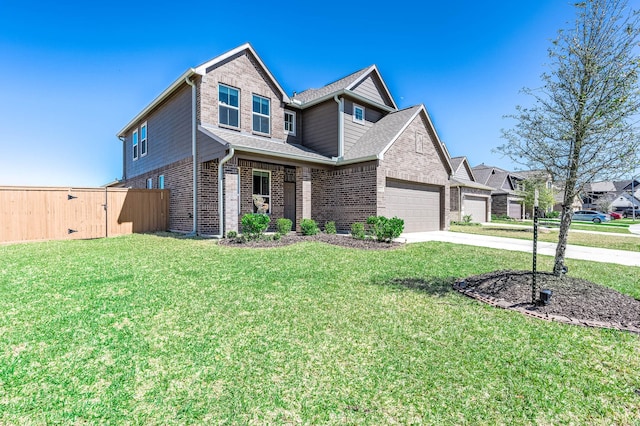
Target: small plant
<point x="254" y="225"/>
<point x="553" y="214"/>
<point x="466" y="219"/>
<point x="283" y="226"/>
<point x="277" y="236"/>
<point x="309" y="227"/>
<point x="357" y="231"/>
<point x="330" y="227"/>
<point x="385" y="229"/>
<point x="232" y="234"/>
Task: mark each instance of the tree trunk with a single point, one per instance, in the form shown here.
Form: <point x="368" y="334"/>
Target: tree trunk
<point x="563" y="234"/>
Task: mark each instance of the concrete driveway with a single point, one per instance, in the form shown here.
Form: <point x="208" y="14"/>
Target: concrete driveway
<point x="620" y="257"/>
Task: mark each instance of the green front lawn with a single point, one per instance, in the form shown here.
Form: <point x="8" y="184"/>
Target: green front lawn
<point x="150" y="330"/>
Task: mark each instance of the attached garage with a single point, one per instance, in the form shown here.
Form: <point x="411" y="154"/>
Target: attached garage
<point x="515" y="210"/>
<point x="417" y="204"/>
<point x="476" y="207"/>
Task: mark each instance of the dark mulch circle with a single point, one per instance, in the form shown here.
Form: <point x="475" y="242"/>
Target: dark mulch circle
<point x="334" y="239"/>
<point x="574" y="300"/>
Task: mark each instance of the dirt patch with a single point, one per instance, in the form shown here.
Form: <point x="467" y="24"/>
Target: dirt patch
<point x="334" y="239"/>
<point x="574" y="300"/>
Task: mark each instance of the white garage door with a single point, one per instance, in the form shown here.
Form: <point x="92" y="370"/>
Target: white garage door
<point x="476" y="207"/>
<point x="515" y="210"/>
<point x="417" y="204"/>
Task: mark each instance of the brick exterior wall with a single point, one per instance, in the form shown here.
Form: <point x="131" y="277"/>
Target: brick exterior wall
<point x="402" y="161"/>
<point x="345" y="195"/>
<point x="454" y="205"/>
<point x="244" y="73"/>
<point x="178" y="179"/>
<point x="276" y="208"/>
<point x="208" y="213"/>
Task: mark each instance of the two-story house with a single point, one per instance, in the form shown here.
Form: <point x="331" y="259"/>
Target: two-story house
<point x="226" y="140"/>
<point x="505" y="197"/>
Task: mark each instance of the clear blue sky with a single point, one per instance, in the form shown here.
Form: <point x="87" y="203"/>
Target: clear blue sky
<point x="72" y="74"/>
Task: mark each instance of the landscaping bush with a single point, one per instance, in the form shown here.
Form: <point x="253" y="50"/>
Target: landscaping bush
<point x="232" y="234"/>
<point x="330" y="227"/>
<point x="309" y="227"/>
<point x="357" y="231"/>
<point x="553" y="214"/>
<point x="283" y="226"/>
<point x="254" y="225"/>
<point x="385" y="229"/>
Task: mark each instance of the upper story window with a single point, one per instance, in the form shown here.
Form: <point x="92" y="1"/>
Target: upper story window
<point x="261" y="114"/>
<point x="358" y="114"/>
<point x="290" y="123"/>
<point x="135" y="144"/>
<point x="229" y="110"/>
<point x="143" y="139"/>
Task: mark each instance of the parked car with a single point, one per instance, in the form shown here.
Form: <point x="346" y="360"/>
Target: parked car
<point x="615" y="215"/>
<point x="591" y="216"/>
<point x="628" y="211"/>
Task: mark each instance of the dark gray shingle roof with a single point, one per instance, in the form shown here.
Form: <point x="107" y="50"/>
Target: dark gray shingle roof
<point x="313" y="94"/>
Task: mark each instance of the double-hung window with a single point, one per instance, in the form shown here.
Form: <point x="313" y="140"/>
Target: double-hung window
<point x="143" y="139"/>
<point x="135" y="144"/>
<point x="261" y="115"/>
<point x="229" y="109"/>
<point x="358" y="114"/>
<point x="261" y="191"/>
<point x="290" y="123"/>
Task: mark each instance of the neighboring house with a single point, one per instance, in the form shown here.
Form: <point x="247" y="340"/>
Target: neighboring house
<point x="505" y="199"/>
<point x="468" y="197"/>
<point x="616" y="194"/>
<point x="227" y="140"/>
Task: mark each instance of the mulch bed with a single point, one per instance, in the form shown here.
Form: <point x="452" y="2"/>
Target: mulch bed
<point x="574" y="300"/>
<point x="334" y="239"/>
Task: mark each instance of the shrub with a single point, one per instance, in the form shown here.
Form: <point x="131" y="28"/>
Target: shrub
<point x="357" y="231"/>
<point x="309" y="227"/>
<point x="254" y="224"/>
<point x="466" y="218"/>
<point x="277" y="236"/>
<point x="232" y="234"/>
<point x="283" y="226"/>
<point x="553" y="214"/>
<point x="385" y="229"/>
<point x="330" y="227"/>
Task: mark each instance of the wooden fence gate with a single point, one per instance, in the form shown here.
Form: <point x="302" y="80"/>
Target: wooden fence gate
<point x="30" y="213"/>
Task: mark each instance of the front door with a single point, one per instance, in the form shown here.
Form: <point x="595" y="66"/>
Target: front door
<point x="290" y="201"/>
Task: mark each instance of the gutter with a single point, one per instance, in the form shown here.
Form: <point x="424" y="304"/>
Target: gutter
<point x="340" y="102"/>
<point x="194" y="231"/>
<point x="220" y="191"/>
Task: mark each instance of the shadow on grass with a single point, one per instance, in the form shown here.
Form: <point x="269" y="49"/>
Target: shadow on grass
<point x="434" y="286"/>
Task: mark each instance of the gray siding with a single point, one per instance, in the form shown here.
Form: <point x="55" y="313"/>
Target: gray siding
<point x="354" y="131"/>
<point x="168" y="135"/>
<point x="320" y="130"/>
<point x="297" y="139"/>
<point x="462" y="173"/>
<point x="372" y="88"/>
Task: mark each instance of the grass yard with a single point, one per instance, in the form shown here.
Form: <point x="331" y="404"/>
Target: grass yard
<point x="578" y="238"/>
<point x="150" y="330"/>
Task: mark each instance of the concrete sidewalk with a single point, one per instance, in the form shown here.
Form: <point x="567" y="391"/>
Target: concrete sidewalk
<point x="620" y="257"/>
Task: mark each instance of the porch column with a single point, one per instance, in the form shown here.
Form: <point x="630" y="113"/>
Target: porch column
<point x="231" y="189"/>
<point x="303" y="194"/>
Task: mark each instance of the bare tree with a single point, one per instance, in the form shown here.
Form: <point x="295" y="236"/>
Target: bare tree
<point x="582" y="125"/>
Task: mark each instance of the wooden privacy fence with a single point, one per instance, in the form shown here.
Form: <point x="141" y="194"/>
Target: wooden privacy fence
<point x="30" y="213"/>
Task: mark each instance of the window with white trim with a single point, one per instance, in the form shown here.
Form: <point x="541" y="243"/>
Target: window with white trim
<point x="150" y="183"/>
<point x="143" y="139"/>
<point x="261" y="114"/>
<point x="358" y="114"/>
<point x="229" y="106"/>
<point x="290" y="123"/>
<point x="161" y="182"/>
<point x="135" y="144"/>
<point x="261" y="191"/>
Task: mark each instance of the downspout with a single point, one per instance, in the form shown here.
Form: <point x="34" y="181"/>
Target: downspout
<point x="124" y="157"/>
<point x="194" y="155"/>
<point x="340" y="102"/>
<point x="220" y="191"/>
